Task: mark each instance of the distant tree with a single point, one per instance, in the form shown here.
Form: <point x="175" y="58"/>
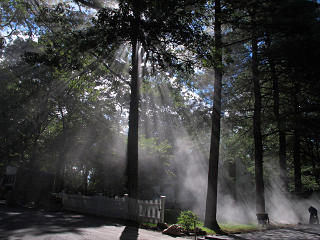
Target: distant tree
<point x="279" y="73"/>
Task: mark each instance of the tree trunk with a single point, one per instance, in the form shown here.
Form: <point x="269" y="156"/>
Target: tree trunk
<point x="280" y="122"/>
<point x="60" y="165"/>
<point x="297" y="162"/>
<point x="211" y="203"/>
<point x="132" y="147"/>
<point x="258" y="149"/>
<point x="282" y="156"/>
<point x="85" y="179"/>
<point x="296" y="144"/>
<point x="316" y="159"/>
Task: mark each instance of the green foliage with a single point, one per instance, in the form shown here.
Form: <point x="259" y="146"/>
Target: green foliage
<point x="15" y="19"/>
<point x="149" y="225"/>
<point x="153" y="146"/>
<point x="188" y="220"/>
<point x="310" y="183"/>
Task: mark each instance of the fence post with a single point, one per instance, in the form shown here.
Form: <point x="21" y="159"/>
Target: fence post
<point x="162" y="204"/>
<point x="126" y="200"/>
<point x="133" y="208"/>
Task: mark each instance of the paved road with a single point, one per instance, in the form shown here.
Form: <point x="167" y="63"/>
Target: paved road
<point x="298" y="232"/>
<point x="29" y="224"/>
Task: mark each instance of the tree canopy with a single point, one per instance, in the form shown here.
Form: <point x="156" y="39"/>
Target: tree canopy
<point x="129" y="96"/>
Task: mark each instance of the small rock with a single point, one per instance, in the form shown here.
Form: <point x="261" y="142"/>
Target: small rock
<point x="174" y="230"/>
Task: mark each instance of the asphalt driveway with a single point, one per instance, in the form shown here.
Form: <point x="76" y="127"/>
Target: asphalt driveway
<point x="31" y="224"/>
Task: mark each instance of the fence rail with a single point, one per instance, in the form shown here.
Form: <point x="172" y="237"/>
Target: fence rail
<point x="122" y="208"/>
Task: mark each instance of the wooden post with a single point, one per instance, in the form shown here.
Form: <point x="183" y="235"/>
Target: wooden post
<point x="133" y="209"/>
<point x="162" y="204"/>
<point x="127" y="201"/>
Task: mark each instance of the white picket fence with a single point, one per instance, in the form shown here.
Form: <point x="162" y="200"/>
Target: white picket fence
<point x="122" y="208"/>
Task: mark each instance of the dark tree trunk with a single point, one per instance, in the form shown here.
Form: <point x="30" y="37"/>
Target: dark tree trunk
<point x="85" y="179"/>
<point x="297" y="162"/>
<point x="280" y="122"/>
<point x="34" y="154"/>
<point x="296" y="143"/>
<point x="258" y="149"/>
<point x="39" y="124"/>
<point x="132" y="147"/>
<point x="60" y="166"/>
<point x="283" y="156"/>
<point x="211" y="203"/>
<point x="316" y="159"/>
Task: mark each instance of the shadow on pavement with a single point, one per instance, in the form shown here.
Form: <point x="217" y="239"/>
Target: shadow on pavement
<point x="38" y="222"/>
<point x="130" y="233"/>
<point x="237" y="237"/>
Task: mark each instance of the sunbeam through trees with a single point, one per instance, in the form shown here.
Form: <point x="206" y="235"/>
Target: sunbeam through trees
<point x="213" y="104"/>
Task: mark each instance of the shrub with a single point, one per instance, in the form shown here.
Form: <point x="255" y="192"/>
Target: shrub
<point x="188" y="220"/>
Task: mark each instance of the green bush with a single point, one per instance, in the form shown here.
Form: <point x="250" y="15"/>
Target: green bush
<point x="188" y="220"/>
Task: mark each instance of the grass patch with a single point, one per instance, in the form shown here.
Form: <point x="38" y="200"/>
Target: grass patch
<point x="226" y="227"/>
<point x="149" y="225"/>
<point x="231" y="228"/>
<point x="235" y="228"/>
<point x="209" y="231"/>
